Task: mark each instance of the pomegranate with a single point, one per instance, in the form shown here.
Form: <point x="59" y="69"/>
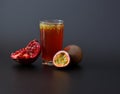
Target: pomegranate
<point x="61" y="59"/>
<point x="75" y="53"/>
<point x="28" y="54"/>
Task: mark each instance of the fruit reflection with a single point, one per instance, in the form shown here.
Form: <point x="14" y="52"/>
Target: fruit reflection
<point x="61" y="82"/>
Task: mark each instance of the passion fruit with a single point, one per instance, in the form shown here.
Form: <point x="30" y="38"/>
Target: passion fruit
<point x="28" y="54"/>
<point x="75" y="53"/>
<point x="61" y="59"/>
<point x="71" y="55"/>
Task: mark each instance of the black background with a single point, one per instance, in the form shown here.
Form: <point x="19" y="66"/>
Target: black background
<point x="94" y="25"/>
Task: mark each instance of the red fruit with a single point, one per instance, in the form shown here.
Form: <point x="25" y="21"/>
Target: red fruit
<point x="61" y="59"/>
<point x="28" y="54"/>
<point x="75" y="53"/>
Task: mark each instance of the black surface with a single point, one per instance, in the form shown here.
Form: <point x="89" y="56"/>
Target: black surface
<point x="91" y="24"/>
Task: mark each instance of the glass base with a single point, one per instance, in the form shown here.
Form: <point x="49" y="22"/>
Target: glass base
<point x="48" y="63"/>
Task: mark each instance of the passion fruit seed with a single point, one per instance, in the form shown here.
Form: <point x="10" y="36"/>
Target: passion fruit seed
<point x="61" y="59"/>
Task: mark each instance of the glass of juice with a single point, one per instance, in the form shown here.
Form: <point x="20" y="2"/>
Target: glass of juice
<point x="51" y="39"/>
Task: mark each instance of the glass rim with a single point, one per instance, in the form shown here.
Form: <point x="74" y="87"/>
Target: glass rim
<point x="52" y="21"/>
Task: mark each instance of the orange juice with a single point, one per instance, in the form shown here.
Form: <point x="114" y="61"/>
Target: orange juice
<point x="51" y="39"/>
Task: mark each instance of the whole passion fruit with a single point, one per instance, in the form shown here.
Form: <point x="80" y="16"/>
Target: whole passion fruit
<point x="75" y="53"/>
<point x="28" y="54"/>
<point x="61" y="59"/>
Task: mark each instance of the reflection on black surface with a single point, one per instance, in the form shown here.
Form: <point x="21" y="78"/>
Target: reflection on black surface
<point x="23" y="67"/>
<point x="56" y="81"/>
<point x="59" y="81"/>
<point x="76" y="67"/>
<point x="71" y="68"/>
<point x="43" y="79"/>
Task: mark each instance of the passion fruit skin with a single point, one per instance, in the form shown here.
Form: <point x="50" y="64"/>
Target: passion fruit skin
<point x="75" y="53"/>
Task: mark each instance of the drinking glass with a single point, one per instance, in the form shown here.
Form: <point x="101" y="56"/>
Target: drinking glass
<point x="51" y="39"/>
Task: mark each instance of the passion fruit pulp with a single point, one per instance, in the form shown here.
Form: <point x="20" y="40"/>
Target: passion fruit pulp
<point x="28" y="54"/>
<point x="61" y="59"/>
<point x="75" y="53"/>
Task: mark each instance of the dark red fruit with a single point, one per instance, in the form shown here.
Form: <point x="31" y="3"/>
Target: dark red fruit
<point x="61" y="59"/>
<point x="75" y="53"/>
<point x="28" y="54"/>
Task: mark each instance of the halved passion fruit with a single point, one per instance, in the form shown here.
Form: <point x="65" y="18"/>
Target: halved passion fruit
<point x="61" y="59"/>
<point x="28" y="54"/>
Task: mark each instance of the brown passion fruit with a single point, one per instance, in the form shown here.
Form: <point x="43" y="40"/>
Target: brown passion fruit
<point x="61" y="59"/>
<point x="75" y="53"/>
<point x="71" y="55"/>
